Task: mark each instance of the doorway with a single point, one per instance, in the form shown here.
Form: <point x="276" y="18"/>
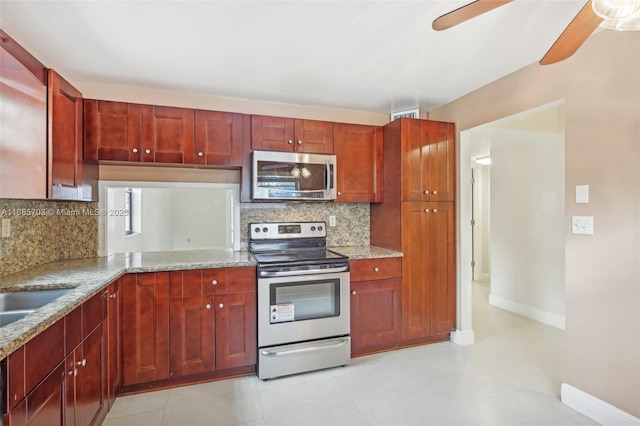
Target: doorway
<point x="512" y="217"/>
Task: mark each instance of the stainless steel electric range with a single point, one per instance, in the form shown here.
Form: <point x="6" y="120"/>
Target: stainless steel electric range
<point x="303" y="299"/>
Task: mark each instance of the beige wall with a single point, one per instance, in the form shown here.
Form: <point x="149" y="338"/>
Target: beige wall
<point x="600" y="86"/>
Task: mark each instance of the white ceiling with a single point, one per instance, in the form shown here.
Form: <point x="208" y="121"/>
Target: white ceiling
<point x="375" y="56"/>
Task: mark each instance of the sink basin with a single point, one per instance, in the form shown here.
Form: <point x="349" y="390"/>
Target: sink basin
<point x="20" y="300"/>
<point x="17" y="304"/>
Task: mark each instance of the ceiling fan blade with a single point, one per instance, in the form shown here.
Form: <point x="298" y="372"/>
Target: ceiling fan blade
<point x="576" y="33"/>
<point x="466" y="12"/>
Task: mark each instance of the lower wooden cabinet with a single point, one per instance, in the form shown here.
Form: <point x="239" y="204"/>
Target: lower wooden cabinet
<point x="375" y="305"/>
<point x="236" y="322"/>
<point x="113" y="343"/>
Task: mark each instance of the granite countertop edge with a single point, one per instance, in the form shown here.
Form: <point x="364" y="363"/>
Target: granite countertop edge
<point x="87" y="277"/>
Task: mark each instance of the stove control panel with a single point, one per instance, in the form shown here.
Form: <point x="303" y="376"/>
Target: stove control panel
<point x="287" y="230"/>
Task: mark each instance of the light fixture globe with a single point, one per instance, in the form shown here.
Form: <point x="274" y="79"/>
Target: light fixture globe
<point x="618" y="14"/>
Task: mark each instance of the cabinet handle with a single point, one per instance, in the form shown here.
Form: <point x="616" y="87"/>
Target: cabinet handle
<point x="207" y="306"/>
<point x="290" y="141"/>
<point x="435" y="210"/>
<point x="426" y="210"/>
<point x="435" y="192"/>
<point x="299" y="142"/>
<point x="134" y="150"/>
<point x="426" y="192"/>
<point x="221" y="306"/>
<point x="82" y="363"/>
<point x="353" y="292"/>
<point x="200" y="154"/>
<point x="376" y="269"/>
<point x="214" y="282"/>
<point x="147" y="151"/>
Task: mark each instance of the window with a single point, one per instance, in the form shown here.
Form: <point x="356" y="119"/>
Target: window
<point x="128" y="204"/>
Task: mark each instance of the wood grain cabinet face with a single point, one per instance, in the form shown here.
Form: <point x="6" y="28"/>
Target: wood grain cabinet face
<point x="112" y="131"/>
<point x="375" y="305"/>
<point x="218" y="138"/>
<point x="289" y="134"/>
<point x="236" y="328"/>
<point x="113" y="346"/>
<point x="167" y="134"/>
<point x="359" y="156"/>
<point x="145" y="328"/>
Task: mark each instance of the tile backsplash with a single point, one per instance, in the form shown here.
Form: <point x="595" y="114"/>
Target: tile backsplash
<point x="43" y="231"/>
<point x="352" y="219"/>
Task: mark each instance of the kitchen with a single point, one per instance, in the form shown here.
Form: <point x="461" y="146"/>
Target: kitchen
<point x="66" y="246"/>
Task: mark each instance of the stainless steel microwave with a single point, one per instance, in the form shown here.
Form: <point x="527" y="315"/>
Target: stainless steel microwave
<point x="293" y="176"/>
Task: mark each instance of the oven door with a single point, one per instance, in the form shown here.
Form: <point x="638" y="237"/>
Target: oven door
<point x="303" y="307"/>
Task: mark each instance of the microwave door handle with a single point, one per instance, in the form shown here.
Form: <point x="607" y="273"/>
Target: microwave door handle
<point x="327" y="177"/>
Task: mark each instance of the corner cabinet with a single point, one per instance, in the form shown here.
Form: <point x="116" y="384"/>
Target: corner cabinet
<point x="418" y="218"/>
<point x="358" y="150"/>
<point x="375" y="305"/>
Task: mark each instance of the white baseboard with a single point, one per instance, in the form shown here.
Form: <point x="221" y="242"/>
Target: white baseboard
<point x="595" y="408"/>
<point x="554" y="320"/>
<point x="463" y="337"/>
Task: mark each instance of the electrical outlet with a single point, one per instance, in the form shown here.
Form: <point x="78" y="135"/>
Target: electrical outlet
<point x="6" y="228"/>
<point x="332" y="221"/>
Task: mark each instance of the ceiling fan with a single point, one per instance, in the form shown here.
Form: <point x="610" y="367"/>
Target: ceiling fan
<point x="612" y="14"/>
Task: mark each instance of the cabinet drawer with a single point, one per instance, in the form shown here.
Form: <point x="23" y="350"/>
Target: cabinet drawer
<point x="376" y="269"/>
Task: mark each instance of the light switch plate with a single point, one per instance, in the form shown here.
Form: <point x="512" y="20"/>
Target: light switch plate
<point x="582" y="225"/>
<point x="6" y="228"/>
<point x="582" y="194"/>
<point x="332" y="221"/>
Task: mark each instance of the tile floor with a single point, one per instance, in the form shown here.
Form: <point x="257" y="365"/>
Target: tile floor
<point x="511" y="376"/>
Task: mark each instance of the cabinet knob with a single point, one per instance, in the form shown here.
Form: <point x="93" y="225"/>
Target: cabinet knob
<point x="289" y="141"/>
<point x="426" y="192"/>
<point x="299" y="142"/>
<point x="113" y="296"/>
<point x="426" y="210"/>
<point x="200" y="154"/>
<point x="353" y="292"/>
<point x="435" y="210"/>
<point x="376" y="269"/>
<point x="82" y="363"/>
<point x="73" y="372"/>
<point x="207" y="306"/>
<point x="134" y="150"/>
<point x="221" y="306"/>
<point x="214" y="282"/>
<point x="147" y="151"/>
<point x="339" y="193"/>
<point x="435" y="193"/>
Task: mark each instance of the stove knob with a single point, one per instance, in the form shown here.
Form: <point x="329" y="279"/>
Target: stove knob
<point x="257" y="230"/>
<point x="313" y="228"/>
<point x="264" y="229"/>
<point x="319" y="228"/>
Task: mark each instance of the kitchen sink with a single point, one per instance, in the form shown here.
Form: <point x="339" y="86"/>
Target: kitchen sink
<point x="17" y="304"/>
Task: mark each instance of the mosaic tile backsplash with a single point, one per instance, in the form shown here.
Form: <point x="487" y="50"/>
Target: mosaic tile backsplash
<point x="44" y="231"/>
<point x="352" y="220"/>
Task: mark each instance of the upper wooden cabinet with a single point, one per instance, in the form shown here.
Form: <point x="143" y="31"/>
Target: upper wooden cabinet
<point x="358" y="152"/>
<point x="428" y="158"/>
<point x="218" y="138"/>
<point x="69" y="177"/>
<point x="120" y="131"/>
<point x="289" y="134"/>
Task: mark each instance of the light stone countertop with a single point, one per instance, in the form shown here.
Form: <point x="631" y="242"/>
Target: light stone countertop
<point x="87" y="277"/>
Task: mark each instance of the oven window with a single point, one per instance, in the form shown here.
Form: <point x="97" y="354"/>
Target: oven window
<point x="297" y="301"/>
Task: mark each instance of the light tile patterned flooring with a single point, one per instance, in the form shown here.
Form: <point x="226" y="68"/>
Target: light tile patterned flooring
<point x="510" y="376"/>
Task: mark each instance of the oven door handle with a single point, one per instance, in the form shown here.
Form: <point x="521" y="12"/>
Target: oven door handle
<point x="270" y="274"/>
<point x="317" y="347"/>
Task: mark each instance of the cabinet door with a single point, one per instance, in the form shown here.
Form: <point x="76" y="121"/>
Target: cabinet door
<point x="438" y="161"/>
<point x="236" y="339"/>
<point x="113" y="352"/>
<point x="412" y="165"/>
<point x="44" y="406"/>
<point x="65" y="138"/>
<point x="112" y="131"/>
<point x="89" y="379"/>
<point x="167" y="134"/>
<point x="218" y="138"/>
<point x="313" y="136"/>
<point x="359" y="163"/>
<point x="145" y="328"/>
<point x="416" y="270"/>
<point x="441" y="241"/>
<point x="272" y="133"/>
<point x="191" y="335"/>
<point x="375" y="315"/>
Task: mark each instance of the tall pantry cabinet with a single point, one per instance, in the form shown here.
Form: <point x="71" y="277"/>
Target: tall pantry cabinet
<point x="417" y="217"/>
